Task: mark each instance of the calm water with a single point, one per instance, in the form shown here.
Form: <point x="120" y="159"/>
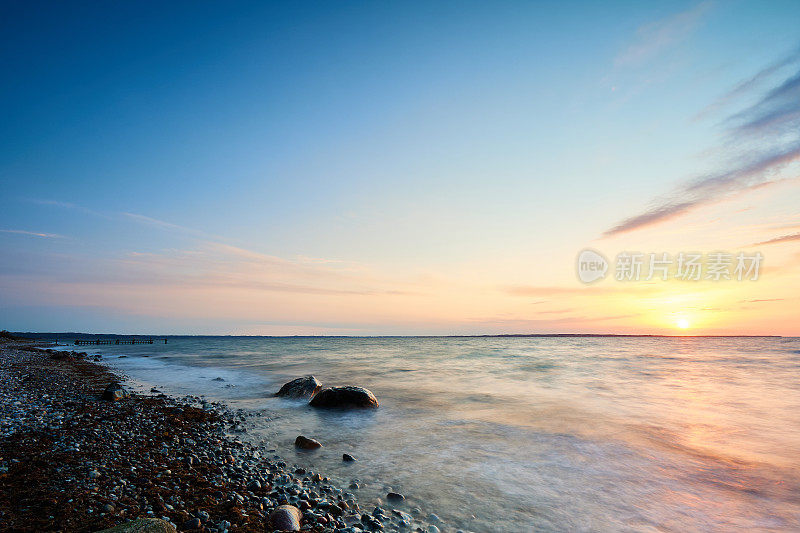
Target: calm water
<point x="523" y="434"/>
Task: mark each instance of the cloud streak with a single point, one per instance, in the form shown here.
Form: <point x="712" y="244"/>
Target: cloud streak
<point x="763" y="139"/>
<point x="751" y="83"/>
<point x="32" y="233"/>
<point x="784" y="238"/>
<point x="653" y="39"/>
<point x="169" y="226"/>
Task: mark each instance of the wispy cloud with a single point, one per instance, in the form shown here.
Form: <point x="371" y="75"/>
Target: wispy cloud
<point x="154" y="222"/>
<point x="58" y="203"/>
<point x="784" y="238"/>
<point x="67" y="205"/>
<point x="135" y="217"/>
<point x="528" y="323"/>
<point x="751" y="84"/>
<point x="763" y="139"/>
<point x="33" y="233"/>
<point x="654" y="38"/>
<point x="588" y="290"/>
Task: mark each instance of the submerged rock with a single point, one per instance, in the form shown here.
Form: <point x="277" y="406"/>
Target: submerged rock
<point x="142" y="525"/>
<point x="284" y="518"/>
<point x="344" y="398"/>
<point x="346" y="457"/>
<point x="304" y="387"/>
<point x="115" y="392"/>
<point x="306" y="443"/>
<point x="395" y="497"/>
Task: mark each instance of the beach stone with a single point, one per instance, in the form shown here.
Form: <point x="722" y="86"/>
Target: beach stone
<point x="344" y="398"/>
<point x="115" y="392"/>
<point x="143" y="525"/>
<point x="346" y="457"/>
<point x="306" y="443"/>
<point x="395" y="497"/>
<point x="304" y="387"/>
<point x="284" y="518"/>
<point x="192" y="523"/>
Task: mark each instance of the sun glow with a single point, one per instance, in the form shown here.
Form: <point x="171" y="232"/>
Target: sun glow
<point x="682" y="323"/>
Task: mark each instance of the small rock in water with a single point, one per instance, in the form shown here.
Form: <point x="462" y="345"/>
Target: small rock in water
<point x="348" y="458"/>
<point x="217" y="379"/>
<point x="284" y="518"/>
<point x="344" y="398"/>
<point x="303" y="387"/>
<point x="306" y="443"/>
<point x="395" y="497"/>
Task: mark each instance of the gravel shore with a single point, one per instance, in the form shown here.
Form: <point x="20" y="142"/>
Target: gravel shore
<point x="70" y="461"/>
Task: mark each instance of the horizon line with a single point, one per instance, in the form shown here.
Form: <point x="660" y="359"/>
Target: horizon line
<point x="498" y="335"/>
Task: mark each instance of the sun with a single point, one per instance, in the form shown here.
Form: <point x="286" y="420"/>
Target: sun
<point x="683" y="323"/>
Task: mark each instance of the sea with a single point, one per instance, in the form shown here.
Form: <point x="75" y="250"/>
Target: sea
<point x="517" y="434"/>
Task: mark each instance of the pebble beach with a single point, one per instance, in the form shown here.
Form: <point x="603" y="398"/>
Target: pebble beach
<point x="71" y="460"/>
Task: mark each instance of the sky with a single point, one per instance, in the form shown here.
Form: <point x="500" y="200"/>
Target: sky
<point x="388" y="168"/>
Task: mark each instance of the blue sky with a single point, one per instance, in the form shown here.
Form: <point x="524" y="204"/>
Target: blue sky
<point x="370" y="148"/>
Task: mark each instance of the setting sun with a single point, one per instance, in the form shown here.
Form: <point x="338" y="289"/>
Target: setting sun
<point x="683" y="323"/>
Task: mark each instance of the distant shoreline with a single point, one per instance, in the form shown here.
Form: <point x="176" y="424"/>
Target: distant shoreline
<point x="82" y="336"/>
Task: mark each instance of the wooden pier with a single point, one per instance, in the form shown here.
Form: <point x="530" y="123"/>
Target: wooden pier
<point x="99" y="342"/>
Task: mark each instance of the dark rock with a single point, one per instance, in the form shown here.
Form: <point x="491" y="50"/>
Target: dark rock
<point x="218" y="379"/>
<point x="348" y="458"/>
<point x="284" y="518"/>
<point x="306" y="443"/>
<point x="395" y="497"/>
<point x="304" y="387"/>
<point x="344" y="398"/>
<point x="192" y="523"/>
<point x="115" y="392"/>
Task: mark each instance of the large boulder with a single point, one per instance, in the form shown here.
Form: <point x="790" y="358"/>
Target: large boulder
<point x="284" y="518"/>
<point x="306" y="444"/>
<point x="344" y="398"/>
<point x="143" y="525"/>
<point x="115" y="392"/>
<point x="304" y="387"/>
